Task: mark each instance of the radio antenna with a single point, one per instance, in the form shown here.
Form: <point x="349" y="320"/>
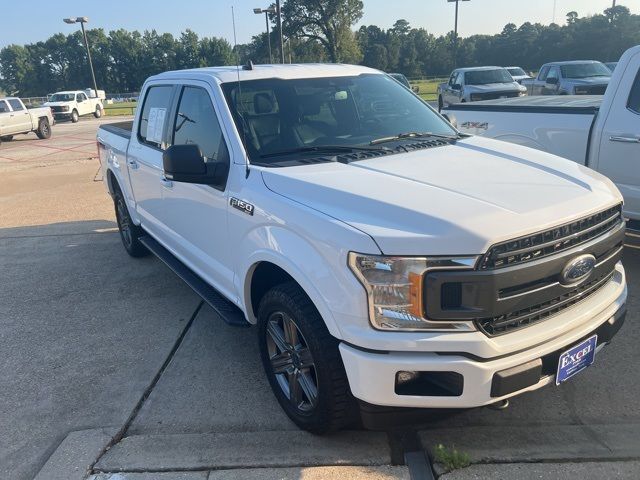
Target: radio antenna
<point x="239" y="94"/>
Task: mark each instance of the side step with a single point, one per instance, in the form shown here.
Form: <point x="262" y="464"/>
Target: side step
<point x="230" y="313"/>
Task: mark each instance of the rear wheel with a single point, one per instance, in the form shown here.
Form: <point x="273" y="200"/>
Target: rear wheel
<point x="7" y="138"/>
<point x="44" y="129"/>
<point x="74" y="116"/>
<point x="98" y="112"/>
<point x="129" y="232"/>
<point x="302" y="361"/>
<point x="440" y="104"/>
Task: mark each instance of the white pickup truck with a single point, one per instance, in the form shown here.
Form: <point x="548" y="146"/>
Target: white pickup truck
<point x="386" y="260"/>
<point x="16" y="119"/>
<point x="74" y="104"/>
<point x="602" y="133"/>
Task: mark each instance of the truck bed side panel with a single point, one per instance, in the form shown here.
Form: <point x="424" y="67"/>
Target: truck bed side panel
<point x="562" y="134"/>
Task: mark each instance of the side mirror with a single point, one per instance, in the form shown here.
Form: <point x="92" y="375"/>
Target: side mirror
<point x="552" y="81"/>
<point x="185" y="163"/>
<point x="456" y="86"/>
<point x="415" y="88"/>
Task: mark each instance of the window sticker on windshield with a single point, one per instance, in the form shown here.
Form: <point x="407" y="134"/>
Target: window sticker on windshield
<point x="341" y="95"/>
<point x="155" y="124"/>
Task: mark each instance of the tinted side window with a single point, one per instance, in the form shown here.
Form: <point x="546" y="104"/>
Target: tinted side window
<point x="15" y="104"/>
<point x="553" y="73"/>
<point x="452" y="79"/>
<point x="543" y="73"/>
<point x="81" y="97"/>
<point x="3" y="106"/>
<point x="196" y="123"/>
<point x="633" y="103"/>
<point x="154" y="113"/>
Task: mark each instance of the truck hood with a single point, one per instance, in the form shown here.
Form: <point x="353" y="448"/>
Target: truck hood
<point x="493" y="87"/>
<point x="452" y="200"/>
<point x="57" y="104"/>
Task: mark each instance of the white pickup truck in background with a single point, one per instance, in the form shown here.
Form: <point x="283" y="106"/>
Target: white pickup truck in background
<point x="386" y="259"/>
<point x="75" y="104"/>
<point x="601" y="132"/>
<point x="16" y="119"/>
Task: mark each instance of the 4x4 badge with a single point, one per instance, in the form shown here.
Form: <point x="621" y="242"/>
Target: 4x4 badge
<point x="241" y="205"/>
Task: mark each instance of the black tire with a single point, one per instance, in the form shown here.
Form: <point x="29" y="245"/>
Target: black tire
<point x="7" y="138"/>
<point x="44" y="129"/>
<point x="98" y="112"/>
<point x="129" y="232"/>
<point x="313" y="361"/>
<point x="440" y="104"/>
<point x="74" y="116"/>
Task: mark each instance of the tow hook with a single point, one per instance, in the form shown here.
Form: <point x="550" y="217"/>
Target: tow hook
<point x="501" y="405"/>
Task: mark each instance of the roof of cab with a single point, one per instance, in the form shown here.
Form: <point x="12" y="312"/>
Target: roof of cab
<point x="571" y="62"/>
<point x="473" y="69"/>
<point x="287" y="72"/>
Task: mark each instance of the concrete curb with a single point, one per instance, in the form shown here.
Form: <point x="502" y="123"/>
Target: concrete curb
<point x="75" y="455"/>
<point x="157" y="453"/>
<point x="540" y="443"/>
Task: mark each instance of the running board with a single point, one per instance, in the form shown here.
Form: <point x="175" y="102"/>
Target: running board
<point x="230" y="313"/>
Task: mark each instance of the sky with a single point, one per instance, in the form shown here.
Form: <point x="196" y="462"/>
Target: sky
<point x="34" y="20"/>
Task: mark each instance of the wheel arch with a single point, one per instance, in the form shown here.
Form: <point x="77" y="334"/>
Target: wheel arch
<point x="113" y="183"/>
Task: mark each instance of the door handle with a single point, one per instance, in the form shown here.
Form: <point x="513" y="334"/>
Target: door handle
<point x="166" y="183"/>
<point x="133" y="165"/>
<point x="623" y="139"/>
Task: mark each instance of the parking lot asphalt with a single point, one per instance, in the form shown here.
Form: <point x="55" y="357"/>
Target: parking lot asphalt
<point x="94" y="341"/>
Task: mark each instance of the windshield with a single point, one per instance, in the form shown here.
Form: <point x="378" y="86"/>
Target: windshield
<point x="482" y="77"/>
<point x="584" y="70"/>
<point x="277" y="116"/>
<point x="62" y="97"/>
<point x="516" y="72"/>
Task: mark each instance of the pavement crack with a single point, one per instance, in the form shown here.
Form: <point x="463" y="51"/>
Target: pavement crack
<point x="147" y="392"/>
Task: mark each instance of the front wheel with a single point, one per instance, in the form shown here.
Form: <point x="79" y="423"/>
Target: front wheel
<point x="440" y="104"/>
<point x="74" y="116"/>
<point x="302" y="361"/>
<point x="98" y="112"/>
<point x="44" y="129"/>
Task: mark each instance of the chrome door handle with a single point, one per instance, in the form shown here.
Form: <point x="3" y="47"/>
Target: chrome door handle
<point x="616" y="138"/>
<point x="166" y="183"/>
<point x="133" y="165"/>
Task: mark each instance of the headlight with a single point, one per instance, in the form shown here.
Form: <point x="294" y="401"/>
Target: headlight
<point x="476" y="97"/>
<point x="580" y="90"/>
<point x="522" y="94"/>
<point x="65" y="108"/>
<point x="394" y="288"/>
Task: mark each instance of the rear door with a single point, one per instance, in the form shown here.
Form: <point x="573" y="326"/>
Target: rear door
<point x="19" y="118"/>
<point x="144" y="155"/>
<point x="194" y="217"/>
<point x="619" y="156"/>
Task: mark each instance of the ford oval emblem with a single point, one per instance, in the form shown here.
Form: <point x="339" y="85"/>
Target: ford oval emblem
<point x="577" y="269"/>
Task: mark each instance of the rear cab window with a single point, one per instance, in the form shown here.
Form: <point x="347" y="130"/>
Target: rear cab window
<point x="633" y="103"/>
<point x="154" y="115"/>
<point x="15" y="104"/>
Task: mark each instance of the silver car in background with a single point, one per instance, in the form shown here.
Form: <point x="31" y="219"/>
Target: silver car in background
<point x="578" y="77"/>
<point x="478" y="83"/>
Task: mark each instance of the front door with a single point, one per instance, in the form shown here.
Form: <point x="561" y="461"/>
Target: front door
<point x="19" y="118"/>
<point x="619" y="156"/>
<point x="144" y="155"/>
<point x="194" y="217"/>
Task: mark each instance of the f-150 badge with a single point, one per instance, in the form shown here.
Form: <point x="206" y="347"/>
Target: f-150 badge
<point x="478" y="125"/>
<point x="241" y="205"/>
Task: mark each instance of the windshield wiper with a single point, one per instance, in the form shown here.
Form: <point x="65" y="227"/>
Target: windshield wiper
<point x="409" y="135"/>
<point x="323" y="149"/>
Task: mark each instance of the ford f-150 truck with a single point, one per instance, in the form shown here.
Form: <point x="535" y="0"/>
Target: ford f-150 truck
<point x="386" y="259"/>
<point x="74" y="104"/>
<point x="600" y="132"/>
<point x="576" y="77"/>
<point x="478" y="83"/>
<point x="16" y="119"/>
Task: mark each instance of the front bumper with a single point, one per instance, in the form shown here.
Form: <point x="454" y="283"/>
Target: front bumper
<point x="373" y="375"/>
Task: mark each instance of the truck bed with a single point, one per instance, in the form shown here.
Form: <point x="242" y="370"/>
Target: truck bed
<point x="122" y="129"/>
<point x="567" y="104"/>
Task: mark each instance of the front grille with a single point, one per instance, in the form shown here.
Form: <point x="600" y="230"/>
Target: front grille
<point x="495" y="95"/>
<point x="57" y="108"/>
<point x="536" y="313"/>
<point x="597" y="90"/>
<point x="552" y="241"/>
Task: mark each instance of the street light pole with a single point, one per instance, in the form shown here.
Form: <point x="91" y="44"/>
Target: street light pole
<point x="455" y="33"/>
<point x="280" y="31"/>
<point x="266" y="12"/>
<point x="82" y="21"/>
